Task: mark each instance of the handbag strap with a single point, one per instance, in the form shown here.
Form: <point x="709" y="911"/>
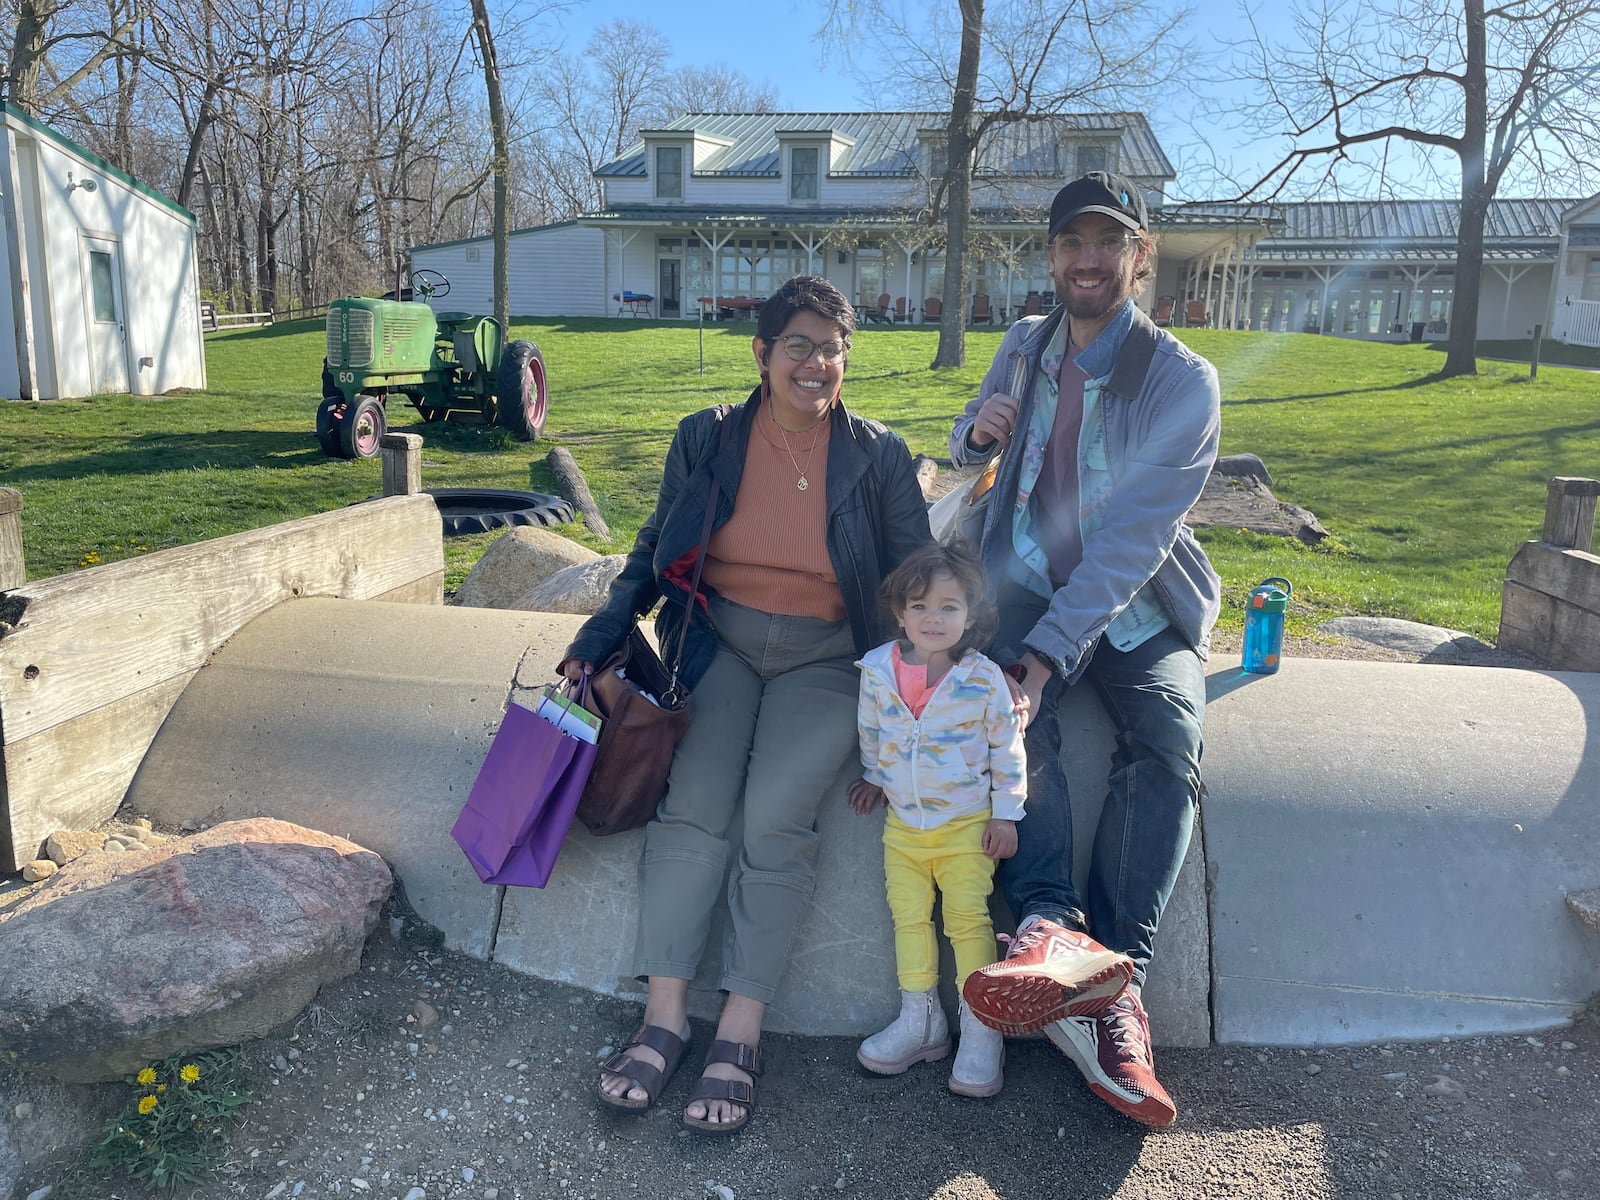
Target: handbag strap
<point x="672" y="698"/>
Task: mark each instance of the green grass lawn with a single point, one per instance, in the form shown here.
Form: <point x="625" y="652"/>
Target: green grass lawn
<point x="1428" y="487"/>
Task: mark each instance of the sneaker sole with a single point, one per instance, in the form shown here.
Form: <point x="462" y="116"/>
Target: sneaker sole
<point x="1143" y="1109"/>
<point x="978" y="1091"/>
<point x="900" y="1066"/>
<point x="1031" y="998"/>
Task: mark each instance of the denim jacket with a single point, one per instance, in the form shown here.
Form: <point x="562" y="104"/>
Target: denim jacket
<point x="1152" y="416"/>
<point x="876" y="516"/>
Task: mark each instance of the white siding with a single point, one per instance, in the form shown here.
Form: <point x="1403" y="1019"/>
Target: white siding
<point x="1570" y="263"/>
<point x="1513" y="316"/>
<point x="155" y="254"/>
<point x="553" y="271"/>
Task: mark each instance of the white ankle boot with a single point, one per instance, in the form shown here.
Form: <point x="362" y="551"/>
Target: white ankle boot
<point x="919" y="1034"/>
<point x="979" y="1069"/>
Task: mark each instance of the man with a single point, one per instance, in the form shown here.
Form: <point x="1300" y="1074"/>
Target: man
<point x="1106" y="429"/>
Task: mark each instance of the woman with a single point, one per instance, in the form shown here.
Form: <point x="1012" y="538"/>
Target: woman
<point x="815" y="506"/>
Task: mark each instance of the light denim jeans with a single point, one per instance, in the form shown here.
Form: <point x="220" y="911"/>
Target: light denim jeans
<point x="1155" y="695"/>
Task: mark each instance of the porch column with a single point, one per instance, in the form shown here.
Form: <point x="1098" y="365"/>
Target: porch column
<point x="716" y="264"/>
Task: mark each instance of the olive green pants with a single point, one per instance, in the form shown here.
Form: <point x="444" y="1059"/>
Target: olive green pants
<point x="773" y="720"/>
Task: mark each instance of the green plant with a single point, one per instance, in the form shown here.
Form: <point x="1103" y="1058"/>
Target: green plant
<point x="366" y="1025"/>
<point x="176" y="1127"/>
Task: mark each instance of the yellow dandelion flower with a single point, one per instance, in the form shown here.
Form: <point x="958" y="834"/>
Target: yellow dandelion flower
<point x="189" y="1073"/>
<point x="147" y="1105"/>
<point x="146" y="1077"/>
<point x="161" y="1087"/>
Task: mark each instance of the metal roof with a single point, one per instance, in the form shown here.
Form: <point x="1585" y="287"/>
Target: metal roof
<point x="1397" y="221"/>
<point x="886" y="144"/>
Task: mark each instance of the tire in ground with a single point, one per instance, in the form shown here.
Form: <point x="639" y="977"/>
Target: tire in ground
<point x="521" y="391"/>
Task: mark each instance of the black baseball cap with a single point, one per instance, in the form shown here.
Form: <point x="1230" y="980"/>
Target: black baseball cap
<point x="1099" y="192"/>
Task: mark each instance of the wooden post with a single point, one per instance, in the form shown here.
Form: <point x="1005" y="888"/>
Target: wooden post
<point x="569" y="478"/>
<point x="1538" y="339"/>
<point x="402" y="463"/>
<point x="13" y="571"/>
<point x="1569" y="512"/>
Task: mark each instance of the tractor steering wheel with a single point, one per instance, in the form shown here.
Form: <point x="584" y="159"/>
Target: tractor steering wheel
<point x="429" y="283"/>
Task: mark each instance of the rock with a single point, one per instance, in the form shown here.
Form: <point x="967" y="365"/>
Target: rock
<point x="39" y="868"/>
<point x="517" y="562"/>
<point x="1244" y="502"/>
<point x="1241" y="466"/>
<point x="198" y="943"/>
<point x="1586" y="907"/>
<point x="65" y="845"/>
<point x="927" y="470"/>
<point x="1445" y="1088"/>
<point x="1433" y="642"/>
<point x="416" y="1193"/>
<point x="580" y="589"/>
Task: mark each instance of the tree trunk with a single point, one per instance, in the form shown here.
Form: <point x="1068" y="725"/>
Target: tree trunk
<point x="27" y="51"/>
<point x="958" y="190"/>
<point x="502" y="165"/>
<point x="1461" y="357"/>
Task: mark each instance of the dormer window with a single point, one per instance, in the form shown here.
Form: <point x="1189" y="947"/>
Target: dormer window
<point x="803" y="172"/>
<point x="1095" y="158"/>
<point x="669" y="172"/>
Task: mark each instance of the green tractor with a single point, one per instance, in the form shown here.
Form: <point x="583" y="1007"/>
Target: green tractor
<point x="451" y="365"/>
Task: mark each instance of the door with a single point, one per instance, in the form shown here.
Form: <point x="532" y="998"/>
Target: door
<point x="669" y="293"/>
<point x="102" y="286"/>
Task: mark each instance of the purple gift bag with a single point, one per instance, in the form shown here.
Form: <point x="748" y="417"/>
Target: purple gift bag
<point x="522" y="802"/>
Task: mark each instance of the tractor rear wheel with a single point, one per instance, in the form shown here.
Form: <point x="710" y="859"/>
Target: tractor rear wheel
<point x="363" y="426"/>
<point x="329" y="415"/>
<point x="521" y="391"/>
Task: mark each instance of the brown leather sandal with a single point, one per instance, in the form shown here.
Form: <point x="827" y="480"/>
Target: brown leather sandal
<point x="651" y="1079"/>
<point x="736" y="1091"/>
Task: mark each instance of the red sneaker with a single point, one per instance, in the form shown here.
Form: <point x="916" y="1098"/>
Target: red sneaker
<point x="1113" y="1052"/>
<point x="1049" y="973"/>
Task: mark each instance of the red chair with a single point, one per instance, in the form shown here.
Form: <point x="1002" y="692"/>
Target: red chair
<point x="1164" y="307"/>
<point x="1194" y="313"/>
<point x="900" y="309"/>
<point x="932" y="309"/>
<point x="1035" y="305"/>
<point x="880" y="311"/>
<point x="981" y="310"/>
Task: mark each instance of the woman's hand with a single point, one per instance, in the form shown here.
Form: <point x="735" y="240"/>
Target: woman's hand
<point x="864" y="796"/>
<point x="575" y="669"/>
<point x="1000" y="839"/>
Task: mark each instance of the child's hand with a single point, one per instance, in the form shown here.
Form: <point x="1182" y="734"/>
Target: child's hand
<point x="1000" y="839"/>
<point x="864" y="797"/>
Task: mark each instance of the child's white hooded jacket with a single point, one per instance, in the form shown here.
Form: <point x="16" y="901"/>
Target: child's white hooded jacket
<point x="963" y="756"/>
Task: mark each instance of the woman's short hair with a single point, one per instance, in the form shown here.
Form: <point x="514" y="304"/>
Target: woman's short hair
<point x="957" y="559"/>
<point x="806" y="292"/>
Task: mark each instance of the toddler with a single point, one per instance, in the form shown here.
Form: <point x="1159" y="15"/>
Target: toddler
<point x="941" y="741"/>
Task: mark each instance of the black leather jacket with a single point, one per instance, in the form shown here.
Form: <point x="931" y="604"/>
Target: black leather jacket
<point x="876" y="516"/>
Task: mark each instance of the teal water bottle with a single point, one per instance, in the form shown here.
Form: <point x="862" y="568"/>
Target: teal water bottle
<point x="1263" y="625"/>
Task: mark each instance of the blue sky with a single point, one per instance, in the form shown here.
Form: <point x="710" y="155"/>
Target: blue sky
<point x="775" y="43"/>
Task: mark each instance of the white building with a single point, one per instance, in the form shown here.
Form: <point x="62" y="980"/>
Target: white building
<point x="101" y="288"/>
<point x="711" y="213"/>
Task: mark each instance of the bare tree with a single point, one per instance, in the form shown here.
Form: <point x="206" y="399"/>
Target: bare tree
<point x="501" y="167"/>
<point x="1015" y="61"/>
<point x="1515" y="85"/>
<point x="718" y="89"/>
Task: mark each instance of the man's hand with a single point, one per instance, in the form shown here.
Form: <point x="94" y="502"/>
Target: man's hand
<point x="864" y="796"/>
<point x="996" y="422"/>
<point x="1035" y="675"/>
<point x="1000" y="839"/>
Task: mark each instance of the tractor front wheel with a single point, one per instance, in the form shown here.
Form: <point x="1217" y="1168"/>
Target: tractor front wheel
<point x="363" y="425"/>
<point x="521" y="391"/>
<point x="330" y="413"/>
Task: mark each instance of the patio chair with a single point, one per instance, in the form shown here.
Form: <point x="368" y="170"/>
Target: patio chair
<point x="932" y="309"/>
<point x="1034" y="306"/>
<point x="900" y="309"/>
<point x="1164" y="307"/>
<point x="880" y="311"/>
<point x="981" y="310"/>
<point x="1194" y="313"/>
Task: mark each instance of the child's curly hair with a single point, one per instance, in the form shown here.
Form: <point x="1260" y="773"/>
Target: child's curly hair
<point x="957" y="559"/>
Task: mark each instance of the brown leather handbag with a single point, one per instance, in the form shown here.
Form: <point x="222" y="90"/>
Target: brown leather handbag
<point x="637" y="737"/>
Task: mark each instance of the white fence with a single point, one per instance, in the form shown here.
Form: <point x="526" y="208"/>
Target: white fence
<point x="1583" y="328"/>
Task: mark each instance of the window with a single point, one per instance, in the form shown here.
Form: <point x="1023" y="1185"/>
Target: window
<point x="669" y="172"/>
<point x="1591" y="278"/>
<point x="938" y="159"/>
<point x="1093" y="158"/>
<point x="101" y="295"/>
<point x="803" y="173"/>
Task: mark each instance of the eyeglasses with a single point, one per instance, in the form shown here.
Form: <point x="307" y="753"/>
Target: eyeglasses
<point x="1112" y="245"/>
<point x="800" y="348"/>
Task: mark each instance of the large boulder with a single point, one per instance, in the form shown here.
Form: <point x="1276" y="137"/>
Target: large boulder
<point x="581" y="589"/>
<point x="122" y="959"/>
<point x="516" y="562"/>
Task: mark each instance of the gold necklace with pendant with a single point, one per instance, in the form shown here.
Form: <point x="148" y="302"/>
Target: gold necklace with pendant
<point x="802" y="483"/>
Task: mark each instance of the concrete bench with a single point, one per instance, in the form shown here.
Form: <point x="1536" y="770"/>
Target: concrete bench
<point x="1385" y="850"/>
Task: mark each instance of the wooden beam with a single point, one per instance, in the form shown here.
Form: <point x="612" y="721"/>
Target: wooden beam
<point x="575" y="489"/>
<point x="402" y="463"/>
<point x="95" y="658"/>
<point x="1569" y="512"/>
<point x="13" y="570"/>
